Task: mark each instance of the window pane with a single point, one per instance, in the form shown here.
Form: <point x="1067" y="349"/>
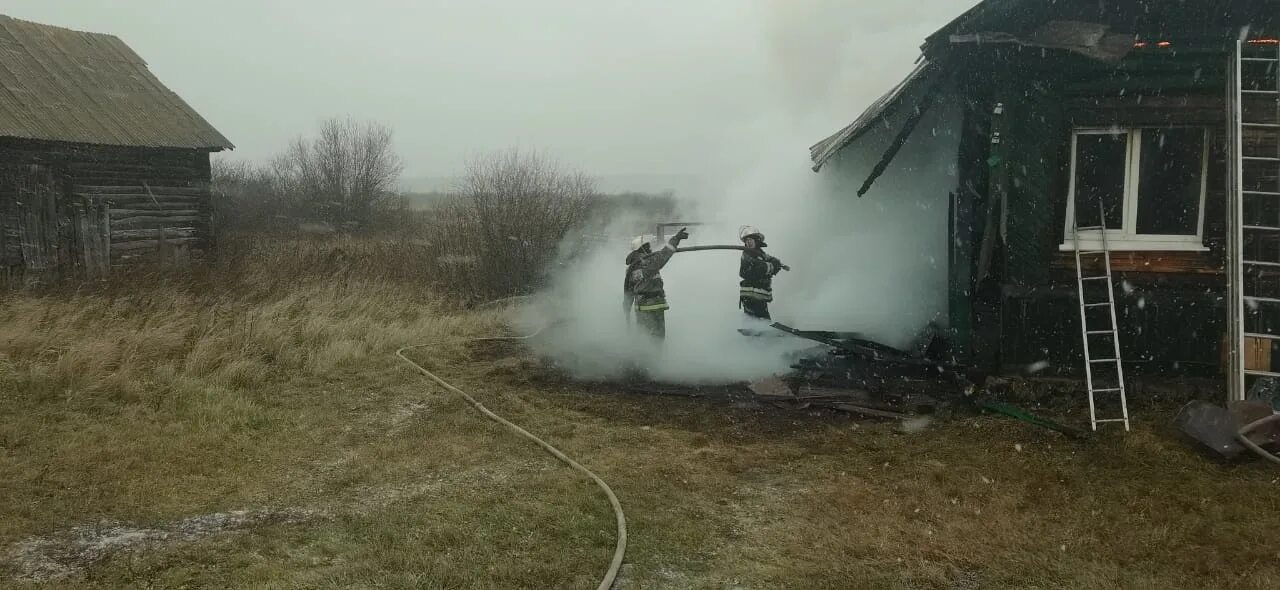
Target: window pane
<point x="1100" y="162"/>
<point x="1169" y="181"/>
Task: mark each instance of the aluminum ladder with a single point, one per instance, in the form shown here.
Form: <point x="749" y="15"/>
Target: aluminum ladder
<point x="1111" y="331"/>
<point x="1254" y="209"/>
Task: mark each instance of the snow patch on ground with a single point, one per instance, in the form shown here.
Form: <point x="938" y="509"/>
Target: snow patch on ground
<point x="69" y="552"/>
<point x="63" y="554"/>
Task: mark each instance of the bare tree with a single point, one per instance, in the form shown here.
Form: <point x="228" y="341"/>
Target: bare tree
<point x="510" y="214"/>
<point x="346" y="175"/>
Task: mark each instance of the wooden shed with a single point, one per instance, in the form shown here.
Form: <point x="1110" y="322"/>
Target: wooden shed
<point x="1133" y="105"/>
<point x="101" y="165"/>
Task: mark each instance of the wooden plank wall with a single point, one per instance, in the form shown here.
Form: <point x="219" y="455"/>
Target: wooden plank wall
<point x="33" y="232"/>
<point x="91" y="232"/>
<point x="152" y="222"/>
<point x="1164" y="328"/>
<point x="118" y="207"/>
<point x="37" y="204"/>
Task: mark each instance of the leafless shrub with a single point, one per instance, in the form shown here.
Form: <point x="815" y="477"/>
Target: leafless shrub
<point x="497" y="234"/>
<point x="344" y="178"/>
<point x="500" y="232"/>
<point x="345" y="175"/>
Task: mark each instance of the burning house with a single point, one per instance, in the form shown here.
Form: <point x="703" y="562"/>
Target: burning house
<point x="101" y="165"/>
<point x="1144" y="129"/>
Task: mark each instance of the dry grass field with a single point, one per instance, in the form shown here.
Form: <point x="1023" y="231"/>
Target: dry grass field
<point x="252" y="429"/>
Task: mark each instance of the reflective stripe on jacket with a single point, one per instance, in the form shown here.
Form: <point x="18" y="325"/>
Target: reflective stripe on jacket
<point x="757" y="270"/>
<point x="756" y="293"/>
<point x="656" y="304"/>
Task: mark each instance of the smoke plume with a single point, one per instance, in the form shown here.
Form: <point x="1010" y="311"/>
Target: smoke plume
<point x="875" y="265"/>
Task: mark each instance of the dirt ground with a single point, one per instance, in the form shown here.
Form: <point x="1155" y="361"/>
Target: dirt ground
<point x="205" y="451"/>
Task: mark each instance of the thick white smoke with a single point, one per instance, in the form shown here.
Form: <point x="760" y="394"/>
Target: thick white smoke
<point x="876" y="265"/>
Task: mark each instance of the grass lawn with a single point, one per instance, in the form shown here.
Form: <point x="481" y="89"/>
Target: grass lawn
<point x="183" y="439"/>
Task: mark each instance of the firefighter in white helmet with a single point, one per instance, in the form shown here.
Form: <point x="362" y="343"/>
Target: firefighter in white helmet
<point x="757" y="270"/>
<point x="642" y="288"/>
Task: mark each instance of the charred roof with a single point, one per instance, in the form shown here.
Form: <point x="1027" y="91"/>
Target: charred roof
<point x="1201" y="20"/>
<point x="1105" y="31"/>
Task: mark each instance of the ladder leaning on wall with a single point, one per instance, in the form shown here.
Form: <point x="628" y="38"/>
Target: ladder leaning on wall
<point x="1112" y="387"/>
<point x="1254" y="214"/>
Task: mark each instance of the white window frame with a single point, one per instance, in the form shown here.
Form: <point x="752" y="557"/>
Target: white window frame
<point x="1126" y="237"/>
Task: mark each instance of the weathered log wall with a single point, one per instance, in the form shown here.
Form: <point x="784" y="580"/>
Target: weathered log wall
<point x="113" y="207"/>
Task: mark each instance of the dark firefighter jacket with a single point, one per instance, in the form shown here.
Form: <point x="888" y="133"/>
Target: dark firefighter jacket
<point x="643" y="285"/>
<point x="757" y="270"/>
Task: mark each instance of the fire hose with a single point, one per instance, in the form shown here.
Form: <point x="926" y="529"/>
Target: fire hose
<point x="717" y="247"/>
<point x="714" y="247"/>
<point x="621" y="547"/>
<point x="1243" y="436"/>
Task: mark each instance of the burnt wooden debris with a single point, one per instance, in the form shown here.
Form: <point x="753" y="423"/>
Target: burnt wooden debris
<point x="843" y="372"/>
<point x="852" y="373"/>
<point x="101" y="166"/>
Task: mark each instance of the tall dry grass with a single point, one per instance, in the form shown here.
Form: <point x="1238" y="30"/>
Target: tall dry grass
<point x="270" y="309"/>
<point x="213" y="347"/>
<point x="121" y="399"/>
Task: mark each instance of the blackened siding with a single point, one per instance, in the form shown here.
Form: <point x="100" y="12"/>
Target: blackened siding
<point x="1169" y="318"/>
<point x="1039" y="149"/>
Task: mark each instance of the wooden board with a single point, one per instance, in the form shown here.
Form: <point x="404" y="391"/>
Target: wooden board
<point x="142" y="246"/>
<point x="93" y="238"/>
<point x="37" y="201"/>
<point x="1257" y="354"/>
<point x="1156" y="262"/>
<point x="136" y="191"/>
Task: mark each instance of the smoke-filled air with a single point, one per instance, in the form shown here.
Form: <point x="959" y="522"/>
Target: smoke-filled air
<point x="875" y="265"/>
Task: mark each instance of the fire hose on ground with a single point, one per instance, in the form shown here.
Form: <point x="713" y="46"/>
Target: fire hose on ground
<point x="621" y="547"/>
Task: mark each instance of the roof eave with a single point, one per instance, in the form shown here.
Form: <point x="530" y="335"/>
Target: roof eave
<point x="888" y="105"/>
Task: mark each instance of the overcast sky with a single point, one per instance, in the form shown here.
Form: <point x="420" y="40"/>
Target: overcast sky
<point x="611" y="87"/>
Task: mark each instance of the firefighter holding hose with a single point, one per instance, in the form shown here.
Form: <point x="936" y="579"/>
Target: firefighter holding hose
<point x="643" y="289"/>
<point x="757" y="270"/>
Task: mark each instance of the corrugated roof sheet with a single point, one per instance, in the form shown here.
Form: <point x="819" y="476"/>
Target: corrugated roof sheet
<point x="63" y="85"/>
<point x="886" y="106"/>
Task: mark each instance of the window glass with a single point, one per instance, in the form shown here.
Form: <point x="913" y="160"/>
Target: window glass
<point x="1169" y="181"/>
<point x="1099" y="178"/>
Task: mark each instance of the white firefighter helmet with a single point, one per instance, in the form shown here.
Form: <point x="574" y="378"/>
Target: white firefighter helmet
<point x="748" y="231"/>
<point x="639" y="241"/>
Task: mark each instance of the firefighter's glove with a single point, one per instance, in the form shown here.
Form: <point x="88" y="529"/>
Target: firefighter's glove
<point x="680" y="236"/>
<point x="776" y="266"/>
